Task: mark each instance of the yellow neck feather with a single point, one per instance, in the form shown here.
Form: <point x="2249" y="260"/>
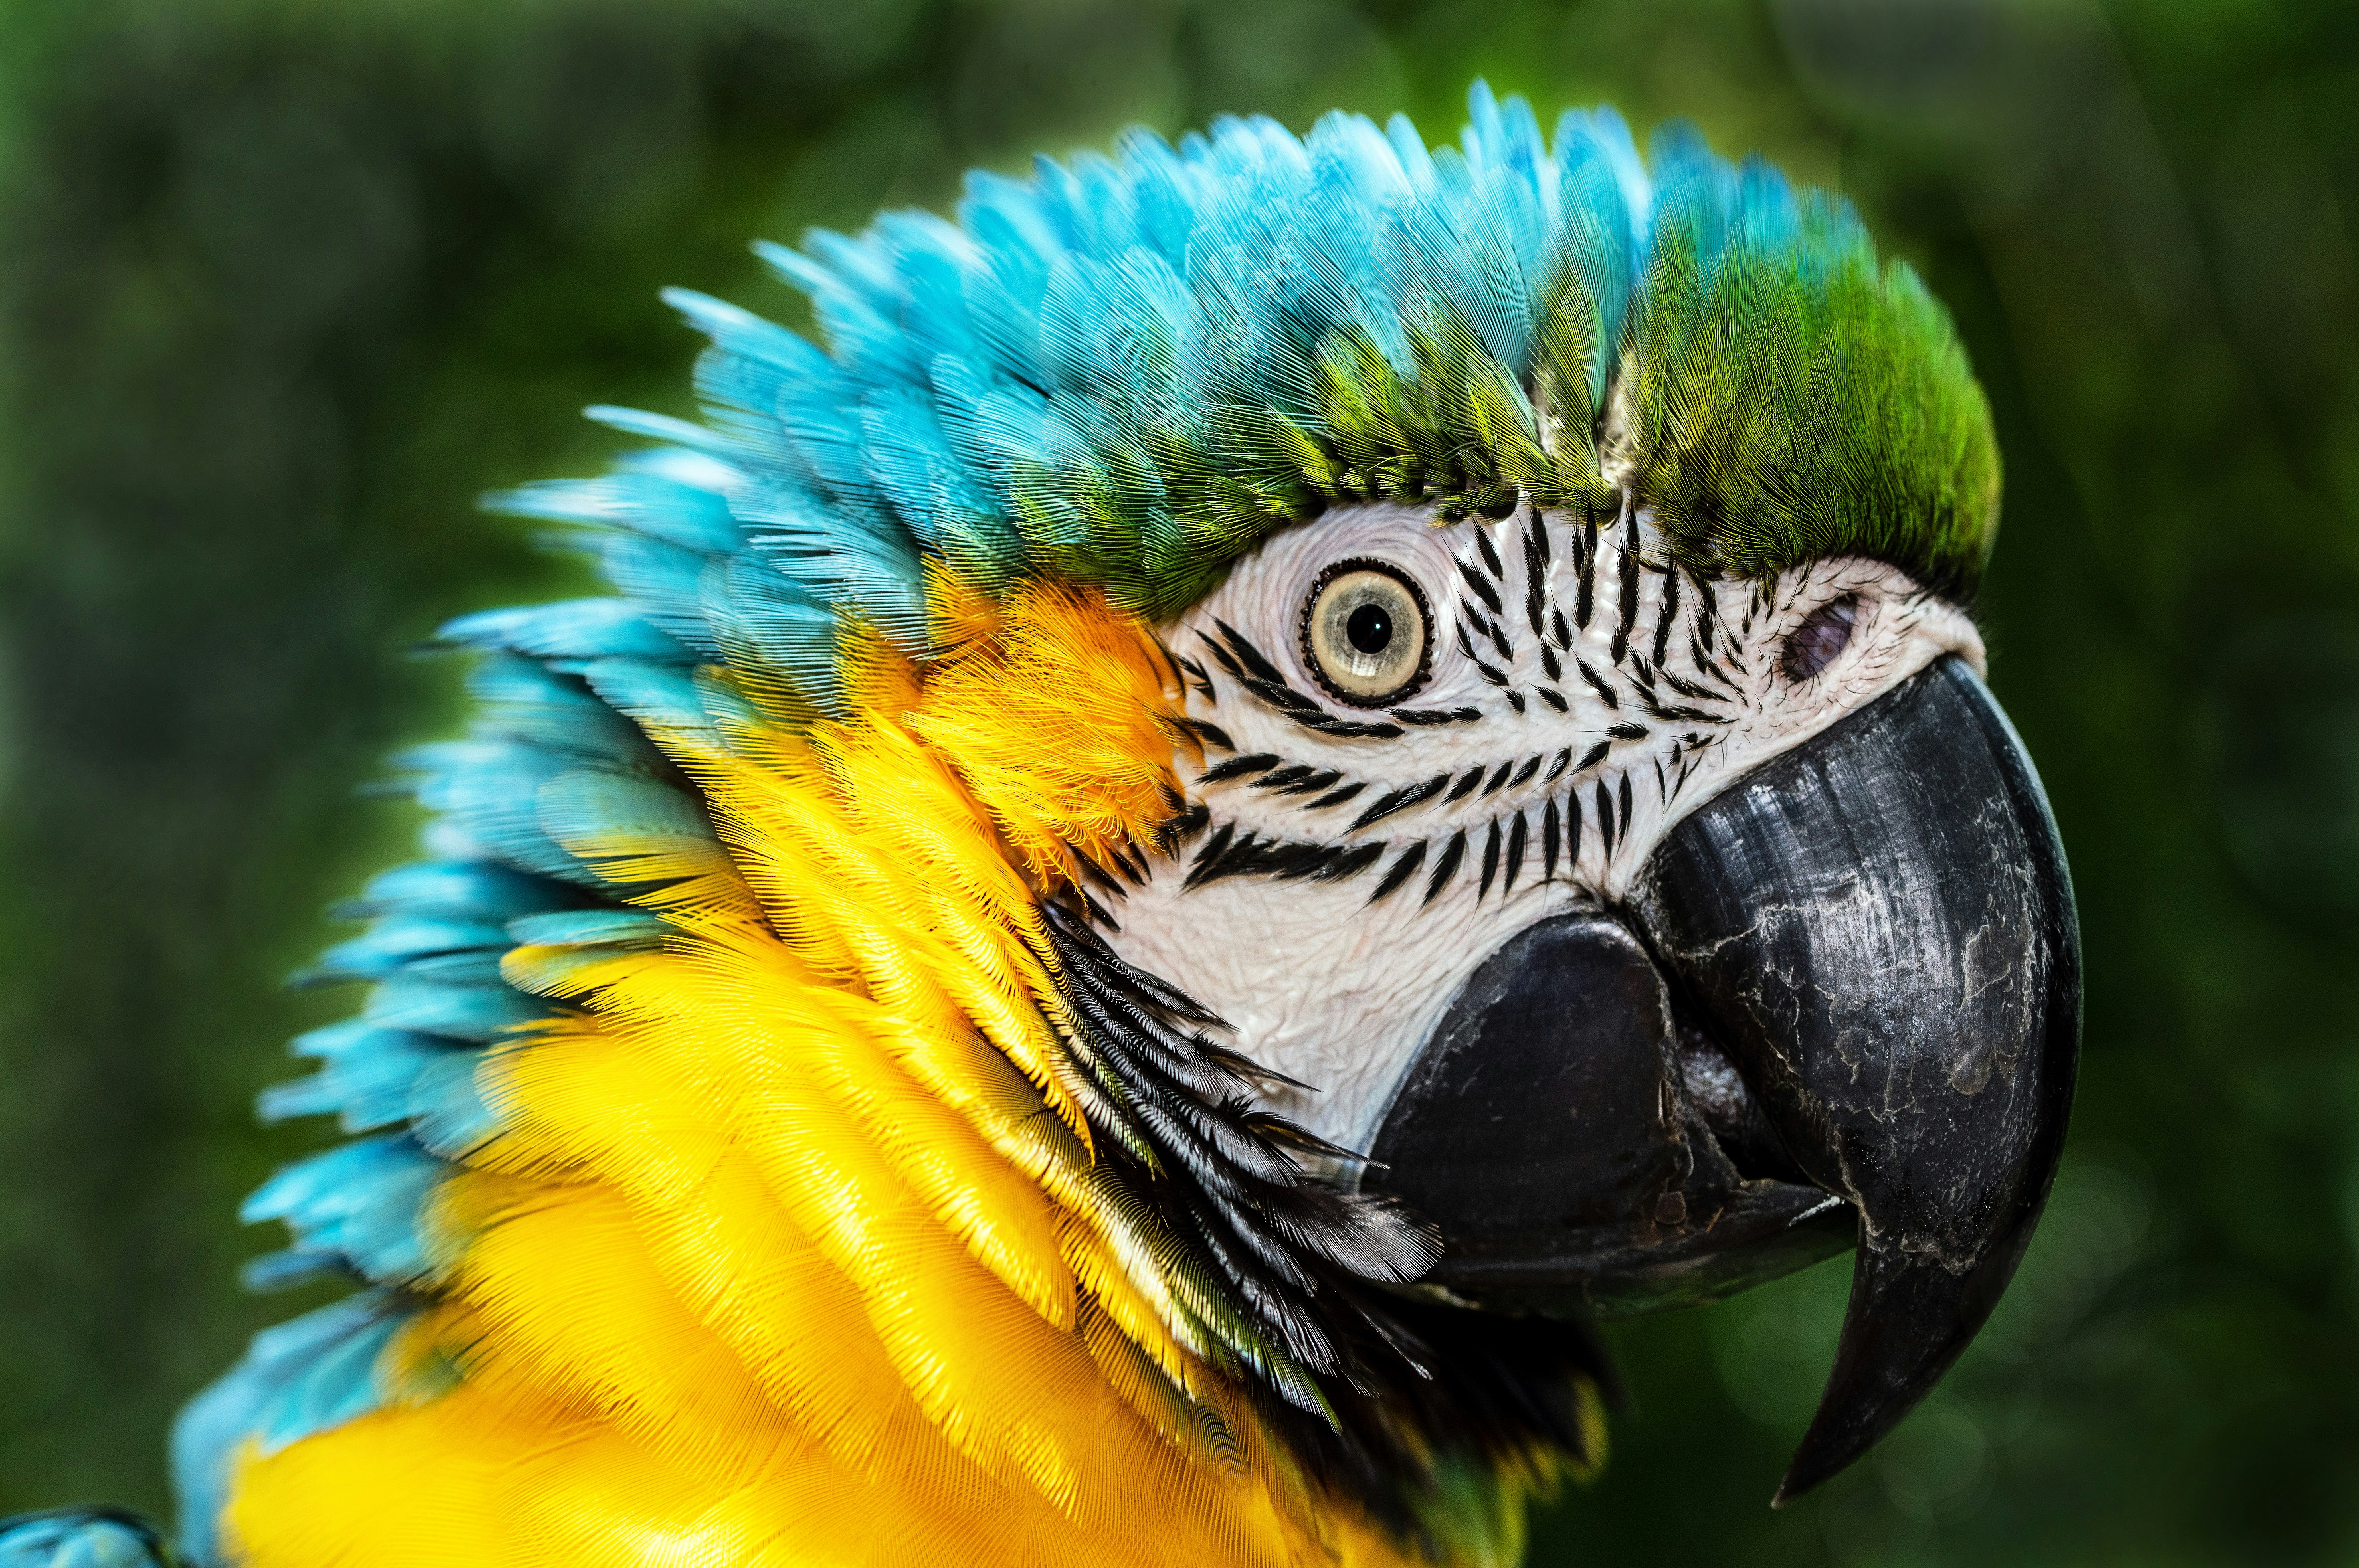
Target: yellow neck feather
<point x="793" y="1247"/>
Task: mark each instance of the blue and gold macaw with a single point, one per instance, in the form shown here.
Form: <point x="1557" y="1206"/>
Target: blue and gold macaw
<point x="1287" y="766"/>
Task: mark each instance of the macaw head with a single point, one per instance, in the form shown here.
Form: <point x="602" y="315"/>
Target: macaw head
<point x="1287" y="768"/>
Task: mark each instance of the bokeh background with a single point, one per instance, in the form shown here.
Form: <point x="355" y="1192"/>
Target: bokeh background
<point x="284" y="285"/>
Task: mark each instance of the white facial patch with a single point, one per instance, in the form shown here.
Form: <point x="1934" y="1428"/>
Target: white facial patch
<point x="1350" y="863"/>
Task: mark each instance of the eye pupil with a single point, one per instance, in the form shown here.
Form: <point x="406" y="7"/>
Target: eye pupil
<point x="1365" y="633"/>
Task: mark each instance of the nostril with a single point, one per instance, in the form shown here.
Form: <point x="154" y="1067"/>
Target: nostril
<point x="1719" y="1093"/>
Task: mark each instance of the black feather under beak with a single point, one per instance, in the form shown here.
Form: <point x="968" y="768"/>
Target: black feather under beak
<point x="1843" y="1004"/>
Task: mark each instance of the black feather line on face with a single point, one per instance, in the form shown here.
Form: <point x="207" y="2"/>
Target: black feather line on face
<point x="1480" y="587"/>
<point x="1491" y="561"/>
<point x="1100" y="876"/>
<point x="1260" y="679"/>
<point x="1278" y="859"/>
<point x="1598" y="683"/>
<point x="1665" y="612"/>
<point x="1445" y="868"/>
<point x="1279" y="777"/>
<point x="1208" y="732"/>
<point x="1227" y="855"/>
<point x="1700" y="660"/>
<point x="1627" y="686"/>
<point x="1238" y="768"/>
<point x="1536" y="560"/>
<point x="1348" y="727"/>
<point x="1399" y="871"/>
<point x="1677" y="714"/>
<point x="1208" y="855"/>
<point x="1255" y="661"/>
<point x="1586" y="590"/>
<point x="1285" y="700"/>
<point x="1351" y="862"/>
<point x="1312" y="784"/>
<point x="1232" y="850"/>
<point x="1627" y="610"/>
<point x="1685" y="687"/>
<point x="1399" y="799"/>
<point x="1336" y="796"/>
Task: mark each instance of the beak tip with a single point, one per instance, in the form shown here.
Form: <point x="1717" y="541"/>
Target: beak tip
<point x="1906" y="1325"/>
<point x="1820" y="1457"/>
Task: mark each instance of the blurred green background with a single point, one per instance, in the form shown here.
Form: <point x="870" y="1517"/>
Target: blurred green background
<point x="284" y="285"/>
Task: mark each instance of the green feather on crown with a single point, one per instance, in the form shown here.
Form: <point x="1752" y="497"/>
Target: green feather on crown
<point x="1129" y="370"/>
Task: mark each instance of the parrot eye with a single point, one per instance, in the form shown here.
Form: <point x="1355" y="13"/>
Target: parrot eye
<point x="1365" y="633"/>
<point x="1818" y="640"/>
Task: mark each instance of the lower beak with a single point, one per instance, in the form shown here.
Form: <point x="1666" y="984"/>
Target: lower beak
<point x="1841" y="1004"/>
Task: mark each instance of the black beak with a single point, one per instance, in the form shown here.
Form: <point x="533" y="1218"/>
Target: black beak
<point x="1841" y="1004"/>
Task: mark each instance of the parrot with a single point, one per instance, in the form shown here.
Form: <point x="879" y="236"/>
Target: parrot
<point x="1267" y="775"/>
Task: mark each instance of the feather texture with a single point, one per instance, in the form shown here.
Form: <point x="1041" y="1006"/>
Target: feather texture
<point x="758" y="1159"/>
<point x="804" y="1187"/>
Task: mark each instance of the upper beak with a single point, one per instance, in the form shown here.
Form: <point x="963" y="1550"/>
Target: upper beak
<point x="1843" y="998"/>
